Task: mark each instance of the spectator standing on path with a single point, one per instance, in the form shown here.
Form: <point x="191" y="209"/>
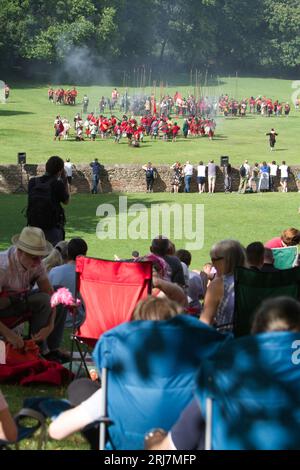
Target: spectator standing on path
<point x="201" y="177"/>
<point x="177" y="176"/>
<point x="69" y="171"/>
<point x="273" y="175"/>
<point x="254" y="177"/>
<point x="211" y="175"/>
<point x="284" y="175"/>
<point x="45" y="195"/>
<point x="96" y="171"/>
<point x="244" y="176"/>
<point x="227" y="178"/>
<point x="151" y="174"/>
<point x="188" y="173"/>
<point x="264" y="179"/>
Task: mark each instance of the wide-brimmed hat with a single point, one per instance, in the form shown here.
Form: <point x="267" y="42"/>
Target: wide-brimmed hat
<point x="32" y="240"/>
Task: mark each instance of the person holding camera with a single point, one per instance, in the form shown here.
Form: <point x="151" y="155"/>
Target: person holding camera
<point x="45" y="196"/>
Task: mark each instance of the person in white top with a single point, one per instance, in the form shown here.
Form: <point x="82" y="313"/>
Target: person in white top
<point x="211" y="173"/>
<point x="247" y="168"/>
<point x="69" y="170"/>
<point x="273" y="174"/>
<point x="201" y="176"/>
<point x="284" y="174"/>
<point x="188" y="173"/>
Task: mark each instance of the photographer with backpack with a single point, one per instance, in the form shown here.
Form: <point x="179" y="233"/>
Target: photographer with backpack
<point x="45" y="195"/>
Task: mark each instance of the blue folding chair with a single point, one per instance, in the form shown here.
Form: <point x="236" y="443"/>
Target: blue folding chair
<point x="147" y="374"/>
<point x="249" y="394"/>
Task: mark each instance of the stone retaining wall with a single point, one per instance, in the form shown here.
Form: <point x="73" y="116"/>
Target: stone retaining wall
<point x="120" y="178"/>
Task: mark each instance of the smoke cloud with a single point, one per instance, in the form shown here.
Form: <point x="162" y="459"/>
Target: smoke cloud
<point x="80" y="65"/>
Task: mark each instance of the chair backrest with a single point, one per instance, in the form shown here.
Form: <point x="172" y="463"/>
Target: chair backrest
<point x="254" y="385"/>
<point x="110" y="291"/>
<point x="252" y="287"/>
<point x="285" y="258"/>
<point x="151" y="371"/>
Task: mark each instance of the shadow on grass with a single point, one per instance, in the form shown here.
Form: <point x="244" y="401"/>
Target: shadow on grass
<point x="8" y="112"/>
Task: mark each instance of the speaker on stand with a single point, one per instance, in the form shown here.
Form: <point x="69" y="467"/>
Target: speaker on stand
<point x="224" y="160"/>
<point x="21" y="159"/>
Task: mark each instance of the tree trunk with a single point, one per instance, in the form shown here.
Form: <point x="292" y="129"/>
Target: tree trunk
<point x="163" y="46"/>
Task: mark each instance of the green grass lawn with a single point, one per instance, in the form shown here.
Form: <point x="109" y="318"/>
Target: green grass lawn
<point x="26" y="124"/>
<point x="243" y="217"/>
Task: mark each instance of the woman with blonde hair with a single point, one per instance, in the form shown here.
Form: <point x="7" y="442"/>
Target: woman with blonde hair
<point x="53" y="259"/>
<point x="226" y="256"/>
<point x="156" y="308"/>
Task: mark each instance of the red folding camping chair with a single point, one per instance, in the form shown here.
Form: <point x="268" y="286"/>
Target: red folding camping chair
<point x="110" y="291"/>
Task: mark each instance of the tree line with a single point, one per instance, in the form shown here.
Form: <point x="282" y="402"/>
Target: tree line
<point x="215" y="34"/>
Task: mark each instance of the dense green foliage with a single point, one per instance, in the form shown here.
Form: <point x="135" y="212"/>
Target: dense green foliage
<point x="215" y="34"/>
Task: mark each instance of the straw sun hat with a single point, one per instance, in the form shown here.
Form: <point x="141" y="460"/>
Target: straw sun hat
<point x="32" y="240"/>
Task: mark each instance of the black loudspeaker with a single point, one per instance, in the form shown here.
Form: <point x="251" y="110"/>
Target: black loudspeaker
<point x="224" y="160"/>
<point x="21" y="158"/>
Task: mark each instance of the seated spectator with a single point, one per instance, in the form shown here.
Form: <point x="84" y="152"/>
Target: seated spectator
<point x="280" y="314"/>
<point x="289" y="237"/>
<point x="8" y="428"/>
<point x="268" y="266"/>
<point x="155" y="309"/>
<point x="160" y="246"/>
<point x="162" y="287"/>
<point x="207" y="275"/>
<point x="85" y="395"/>
<point x="255" y="255"/>
<point x="20" y="268"/>
<point x="62" y="247"/>
<point x="53" y="259"/>
<point x="195" y="287"/>
<point x="135" y="255"/>
<point x="65" y="275"/>
<point x="219" y="299"/>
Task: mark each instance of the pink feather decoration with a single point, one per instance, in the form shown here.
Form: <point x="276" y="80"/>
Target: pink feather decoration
<point x="63" y="296"/>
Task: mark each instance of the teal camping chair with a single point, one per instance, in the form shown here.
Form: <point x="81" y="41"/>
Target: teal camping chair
<point x="249" y="394"/>
<point x="252" y="287"/>
<point x="285" y="258"/>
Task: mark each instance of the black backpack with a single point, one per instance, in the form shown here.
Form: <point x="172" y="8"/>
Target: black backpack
<point x="149" y="173"/>
<point x="243" y="171"/>
<point x="42" y="211"/>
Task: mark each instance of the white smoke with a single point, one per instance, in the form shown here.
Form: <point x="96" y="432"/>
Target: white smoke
<point x="79" y="64"/>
